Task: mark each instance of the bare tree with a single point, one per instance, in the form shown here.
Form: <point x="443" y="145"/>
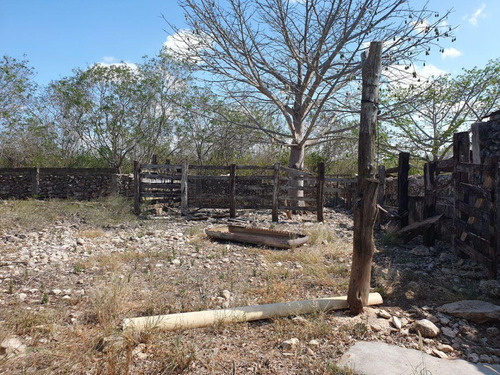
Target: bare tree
<point x="300" y="57"/>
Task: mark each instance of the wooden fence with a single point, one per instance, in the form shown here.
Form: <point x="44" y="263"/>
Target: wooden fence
<point x="235" y="187"/>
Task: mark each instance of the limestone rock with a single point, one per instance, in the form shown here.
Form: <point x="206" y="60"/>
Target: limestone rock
<point x="396" y="322"/>
<point x="426" y="328"/>
<point x="12" y="346"/>
<point x="290" y="344"/>
<point x="439" y="354"/>
<point x="384" y="314"/>
<point x="473" y="310"/>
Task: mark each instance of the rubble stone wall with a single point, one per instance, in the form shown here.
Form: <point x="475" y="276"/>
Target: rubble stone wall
<point x="63" y="183"/>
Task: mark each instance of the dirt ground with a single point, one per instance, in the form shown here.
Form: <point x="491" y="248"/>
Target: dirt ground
<point x="70" y="272"/>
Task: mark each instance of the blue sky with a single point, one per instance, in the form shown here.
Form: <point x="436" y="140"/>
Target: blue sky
<point x="59" y="35"/>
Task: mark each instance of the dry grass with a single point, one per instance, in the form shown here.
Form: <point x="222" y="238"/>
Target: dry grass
<point x="83" y="335"/>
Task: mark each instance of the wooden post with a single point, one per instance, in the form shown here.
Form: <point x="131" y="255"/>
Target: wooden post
<point x="232" y="190"/>
<point x="137" y="187"/>
<point x="429" y="236"/>
<point x="154" y="159"/>
<point x="184" y="189"/>
<point x="337" y="194"/>
<point x="381" y="184"/>
<point x="35" y="182"/>
<point x="494" y="250"/>
<point x="365" y="205"/>
<point x="320" y="191"/>
<point x="403" y="200"/>
<point x="276" y="189"/>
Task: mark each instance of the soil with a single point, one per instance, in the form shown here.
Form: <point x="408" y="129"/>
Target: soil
<point x="70" y="272"/>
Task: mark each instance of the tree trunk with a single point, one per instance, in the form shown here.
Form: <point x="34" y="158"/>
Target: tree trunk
<point x="296" y="162"/>
<point x="365" y="207"/>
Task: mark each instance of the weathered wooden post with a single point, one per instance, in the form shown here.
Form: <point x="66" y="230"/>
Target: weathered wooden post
<point x="365" y="205"/>
<point x="276" y="189"/>
<point x="184" y="189"/>
<point x="154" y="159"/>
<point x="429" y="236"/>
<point x="403" y="199"/>
<point x="320" y="191"/>
<point x="381" y="184"/>
<point x="35" y="182"/>
<point x="137" y="187"/>
<point x="232" y="190"/>
<point x="494" y="250"/>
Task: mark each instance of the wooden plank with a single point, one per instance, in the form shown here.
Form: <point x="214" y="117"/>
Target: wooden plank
<point x="320" y="194"/>
<point x="232" y="191"/>
<point x="146" y="185"/>
<point x="480" y="191"/>
<point x="472" y="168"/>
<point x="246" y="178"/>
<point x="429" y="236"/>
<point x="276" y="189"/>
<point x="480" y="230"/>
<point x="152" y="176"/>
<point x="161" y="195"/>
<point x="253" y="198"/>
<point x="184" y="190"/>
<point x="403" y="199"/>
<point x="411" y="231"/>
<point x="208" y="167"/>
<point x="446" y="165"/>
<point x="392" y="170"/>
<point x="301" y="188"/>
<point x="477" y="256"/>
<point x="345" y="180"/>
<point x="297" y="172"/>
<point x="253" y="167"/>
<point x="474" y="211"/>
<point x="137" y="188"/>
<point x="207" y="178"/>
<point x="160" y="166"/>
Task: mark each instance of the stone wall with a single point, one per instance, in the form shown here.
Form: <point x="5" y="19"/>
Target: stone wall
<point x="486" y="141"/>
<point x="63" y="183"/>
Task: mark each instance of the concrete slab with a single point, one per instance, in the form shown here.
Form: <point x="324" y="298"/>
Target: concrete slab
<point x="376" y="358"/>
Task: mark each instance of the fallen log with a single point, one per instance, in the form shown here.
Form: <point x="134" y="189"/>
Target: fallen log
<point x="207" y="318"/>
<point x="414" y="229"/>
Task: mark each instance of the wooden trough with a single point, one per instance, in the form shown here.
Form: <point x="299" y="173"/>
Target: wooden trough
<point x="258" y="236"/>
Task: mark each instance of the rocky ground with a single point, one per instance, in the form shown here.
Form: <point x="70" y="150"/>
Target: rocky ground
<point x="71" y="271"/>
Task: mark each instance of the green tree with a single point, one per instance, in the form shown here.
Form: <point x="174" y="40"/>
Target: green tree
<point x="428" y="114"/>
<point x="119" y="112"/>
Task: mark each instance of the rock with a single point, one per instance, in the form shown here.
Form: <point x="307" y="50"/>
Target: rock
<point x="421" y="251"/>
<point x="80" y="241"/>
<point x="299" y="320"/>
<point x="396" y="322"/>
<point x="314" y="343"/>
<point x="290" y="344"/>
<point x="426" y="328"/>
<point x="485" y="358"/>
<point x="473" y="357"/>
<point x="384" y="314"/>
<point x="474" y="310"/>
<point x="56" y="292"/>
<point x="439" y="354"/>
<point x="490" y="287"/>
<point x="445" y="348"/>
<point x="226" y="294"/>
<point x="12" y="346"/>
<point x="449" y="332"/>
<point x="491" y="331"/>
<point x="176" y="262"/>
<point x="22" y="296"/>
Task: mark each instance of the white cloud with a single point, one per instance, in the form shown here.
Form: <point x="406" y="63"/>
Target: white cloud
<point x="108" y="59"/>
<point x="180" y="41"/>
<point x="414" y="75"/>
<point x="107" y="62"/>
<point x="478" y="13"/>
<point x="451" y="53"/>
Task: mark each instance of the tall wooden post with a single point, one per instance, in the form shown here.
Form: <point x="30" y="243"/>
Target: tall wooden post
<point x="137" y="187"/>
<point x="276" y="190"/>
<point x="320" y="191"/>
<point x="35" y="182"/>
<point x="430" y="201"/>
<point x="403" y="199"/>
<point x="365" y="205"/>
<point x="154" y="159"/>
<point x="184" y="189"/>
<point x="494" y="251"/>
<point x="232" y="190"/>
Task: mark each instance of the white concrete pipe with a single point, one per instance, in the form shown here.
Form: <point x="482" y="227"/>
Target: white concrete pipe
<point x="207" y="318"/>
